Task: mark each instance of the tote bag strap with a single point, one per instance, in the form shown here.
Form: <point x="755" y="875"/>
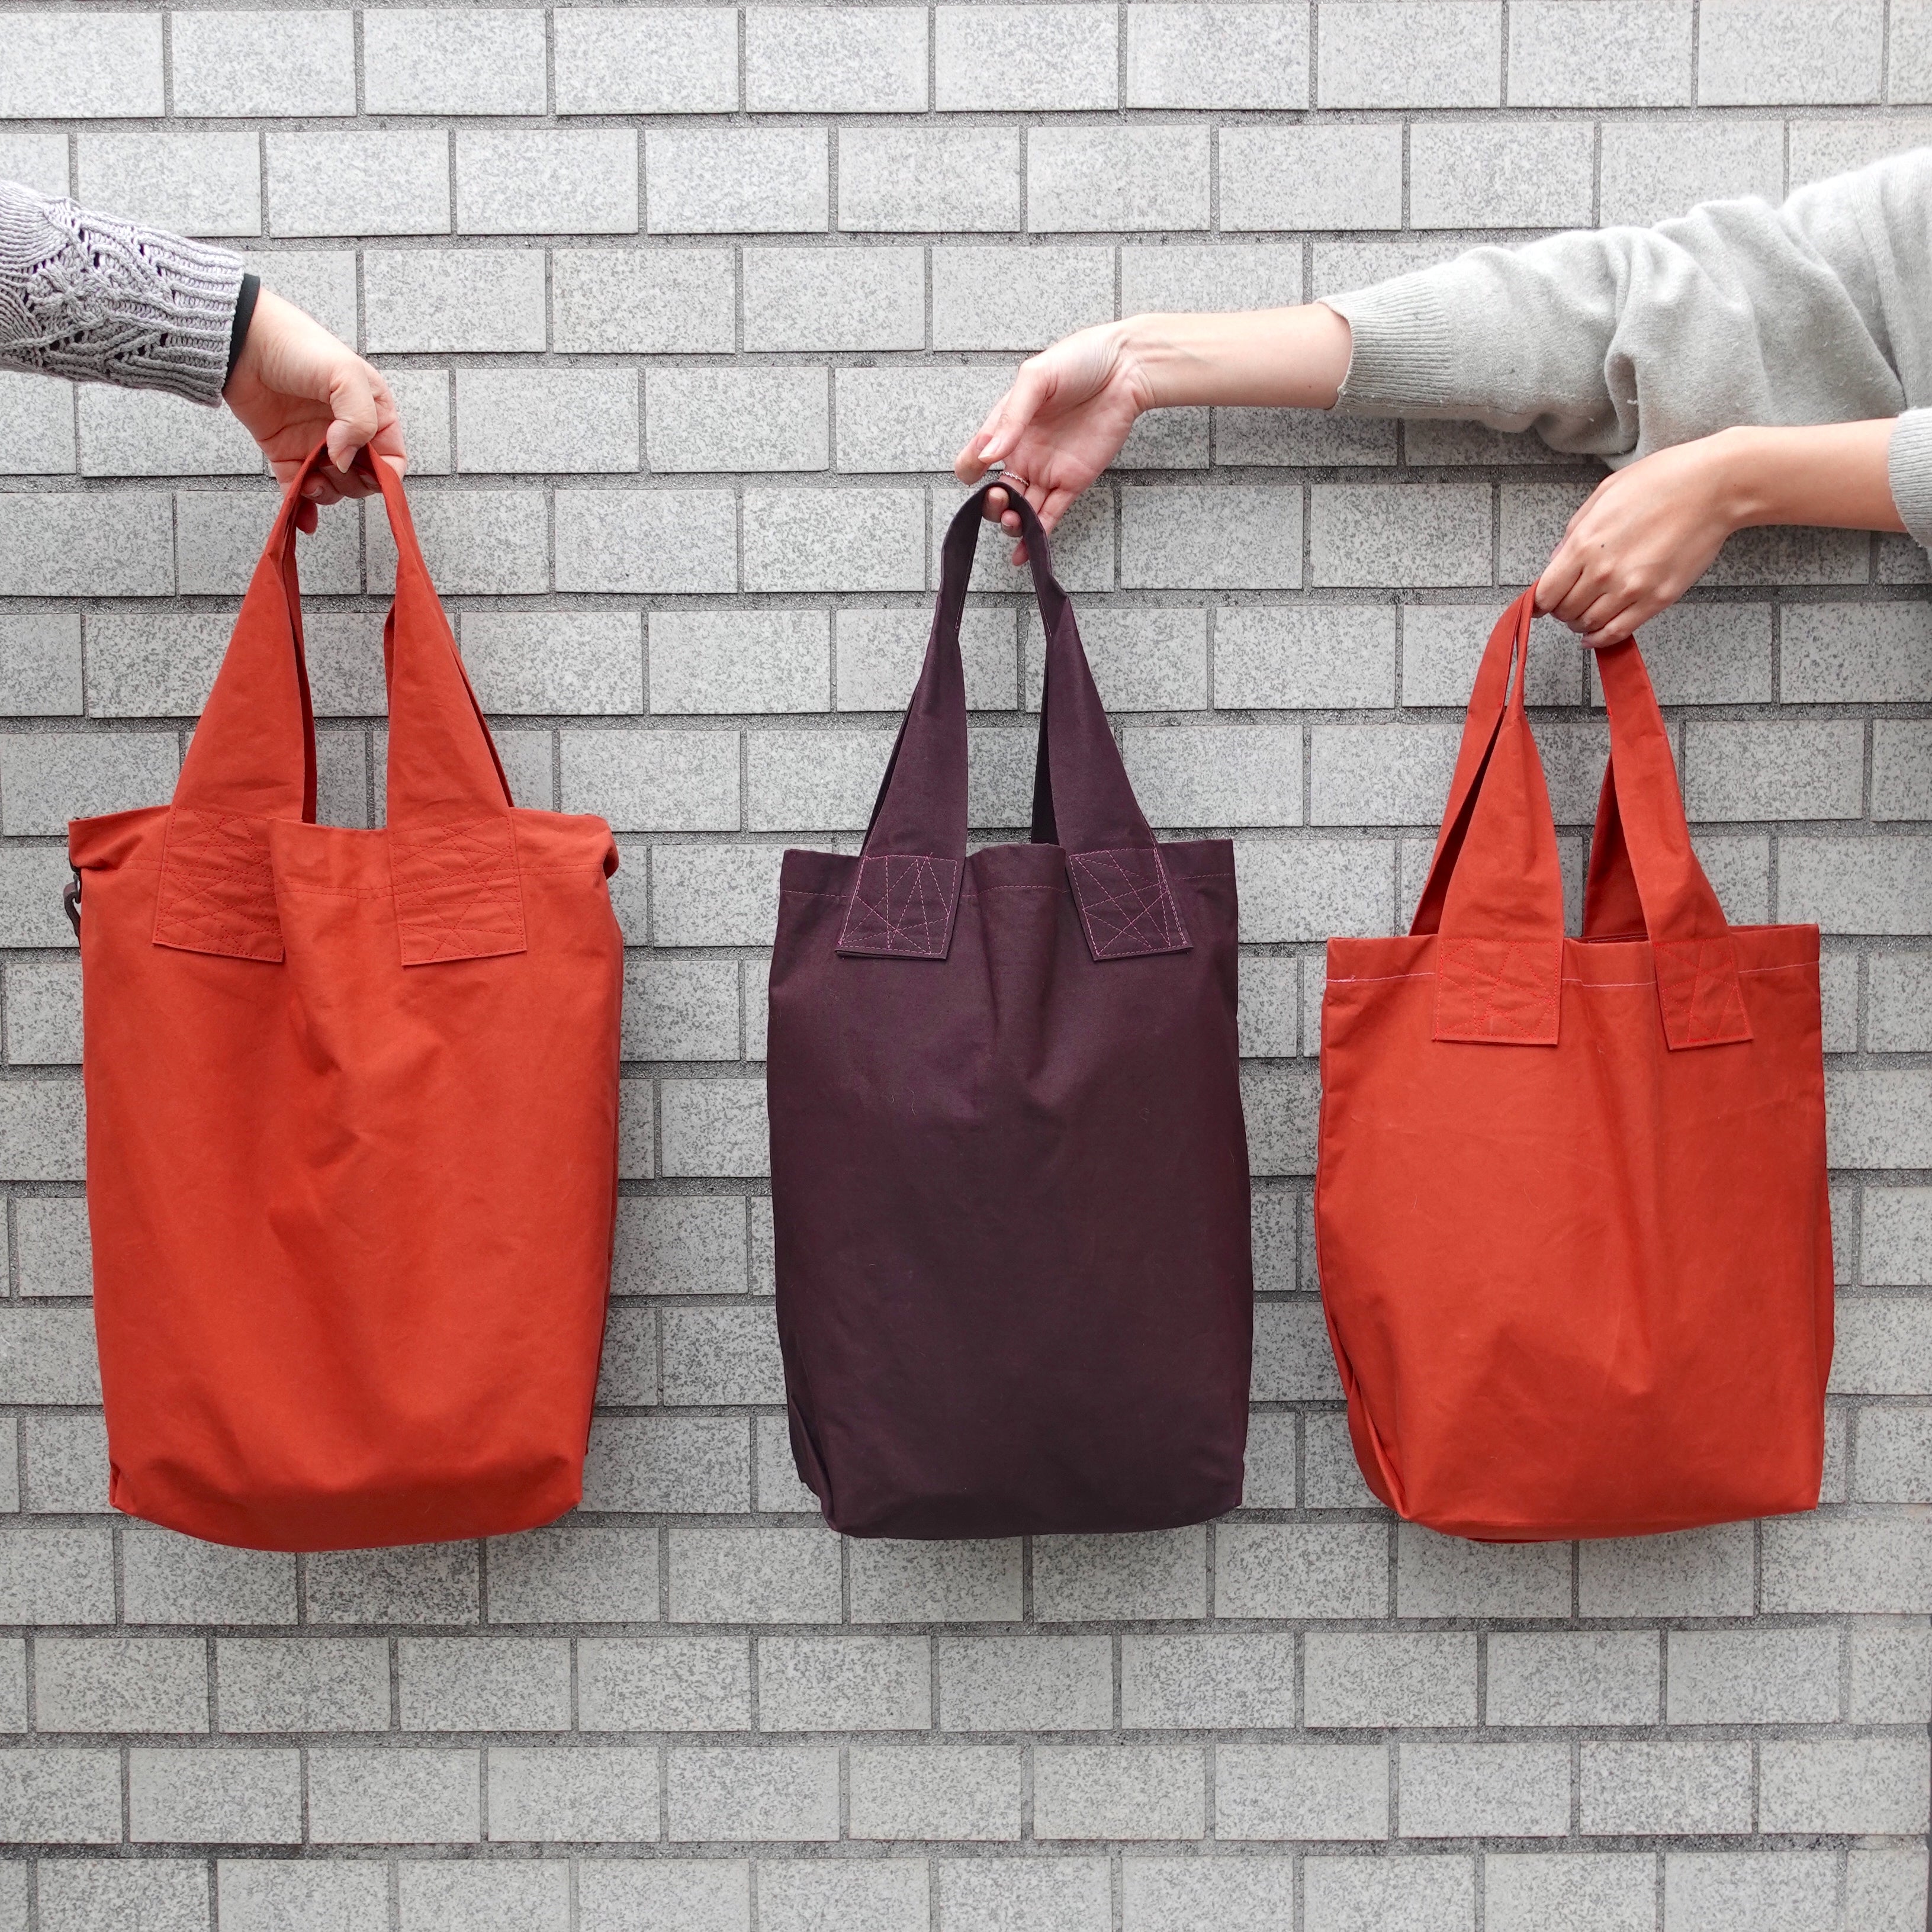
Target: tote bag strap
<point x="252" y="761"/>
<point x="907" y="895"/>
<point x="1495" y="891"/>
<point x="1494" y="896"/>
<point x="1642" y="862"/>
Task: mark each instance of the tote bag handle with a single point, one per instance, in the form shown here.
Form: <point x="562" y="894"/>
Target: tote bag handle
<point x="908" y="891"/>
<point x="1494" y="895"/>
<point x="252" y="762"/>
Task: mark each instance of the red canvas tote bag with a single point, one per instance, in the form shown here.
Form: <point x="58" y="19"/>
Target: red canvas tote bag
<point x="1571" y="1208"/>
<point x="1010" y="1178"/>
<point x="351" y="1113"/>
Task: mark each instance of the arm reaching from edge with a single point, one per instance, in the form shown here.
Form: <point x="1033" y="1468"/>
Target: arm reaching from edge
<point x="1071" y="406"/>
<point x="1613" y="343"/>
<point x="97" y="299"/>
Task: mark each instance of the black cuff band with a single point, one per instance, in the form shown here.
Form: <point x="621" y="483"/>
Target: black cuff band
<point x="244" y="313"/>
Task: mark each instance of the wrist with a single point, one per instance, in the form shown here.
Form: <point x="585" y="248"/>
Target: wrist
<point x="246" y="299"/>
<point x="1144" y="353"/>
<point x="1738" y="466"/>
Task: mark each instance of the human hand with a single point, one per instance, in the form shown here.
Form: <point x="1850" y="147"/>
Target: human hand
<point x="1641" y="539"/>
<point x="1062" y="422"/>
<point x="293" y="385"/>
<point x="1071" y="406"/>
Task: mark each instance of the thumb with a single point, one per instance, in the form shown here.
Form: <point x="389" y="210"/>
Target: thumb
<point x="352" y="399"/>
<point x="1559" y="574"/>
<point x="1008" y="422"/>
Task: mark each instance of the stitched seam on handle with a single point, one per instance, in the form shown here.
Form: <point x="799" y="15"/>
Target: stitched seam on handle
<point x="217" y="887"/>
<point x="1151" y="897"/>
<point x="922" y="931"/>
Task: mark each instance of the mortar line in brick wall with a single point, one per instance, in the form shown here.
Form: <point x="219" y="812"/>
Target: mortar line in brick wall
<point x="167" y="115"/>
<point x="1405" y="225"/>
<point x="549" y="97"/>
<point x="1025" y="227"/>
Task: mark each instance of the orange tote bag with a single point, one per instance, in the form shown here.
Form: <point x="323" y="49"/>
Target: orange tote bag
<point x="1571" y="1209"/>
<point x="351" y="1113"/>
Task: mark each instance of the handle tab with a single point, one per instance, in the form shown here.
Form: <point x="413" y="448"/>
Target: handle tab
<point x="217" y="886"/>
<point x="1498" y="992"/>
<point x="458" y="893"/>
<point x="1126" y="907"/>
<point x="902" y="907"/>
<point x="1699" y="992"/>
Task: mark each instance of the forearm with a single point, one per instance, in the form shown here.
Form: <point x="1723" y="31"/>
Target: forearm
<point x="1833" y="475"/>
<point x="96" y="299"/>
<point x="1280" y="358"/>
<point x="1616" y="342"/>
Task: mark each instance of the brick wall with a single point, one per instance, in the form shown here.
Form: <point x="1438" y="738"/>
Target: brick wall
<point x="689" y="307"/>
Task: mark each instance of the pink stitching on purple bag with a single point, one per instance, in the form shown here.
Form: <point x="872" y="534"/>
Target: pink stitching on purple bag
<point x="902" y="907"/>
<point x="1125" y="904"/>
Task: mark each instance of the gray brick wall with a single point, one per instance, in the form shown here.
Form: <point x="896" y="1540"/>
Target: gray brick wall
<point x="689" y="305"/>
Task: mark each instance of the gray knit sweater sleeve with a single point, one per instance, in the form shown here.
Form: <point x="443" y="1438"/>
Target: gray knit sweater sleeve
<point x="103" y="301"/>
<point x="1618" y="341"/>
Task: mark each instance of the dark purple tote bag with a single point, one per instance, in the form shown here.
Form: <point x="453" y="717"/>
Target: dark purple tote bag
<point x="1008" y="1172"/>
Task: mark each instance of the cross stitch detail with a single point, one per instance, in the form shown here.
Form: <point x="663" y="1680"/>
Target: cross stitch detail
<point x="217" y="886"/>
<point x="902" y="906"/>
<point x="1699" y="993"/>
<point x="458" y="893"/>
<point x="1506" y="991"/>
<point x="1125" y="902"/>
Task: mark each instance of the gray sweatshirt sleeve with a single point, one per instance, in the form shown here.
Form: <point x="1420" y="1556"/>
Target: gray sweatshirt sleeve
<point x="99" y="300"/>
<point x="1615" y="342"/>
<point x="1908" y="462"/>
